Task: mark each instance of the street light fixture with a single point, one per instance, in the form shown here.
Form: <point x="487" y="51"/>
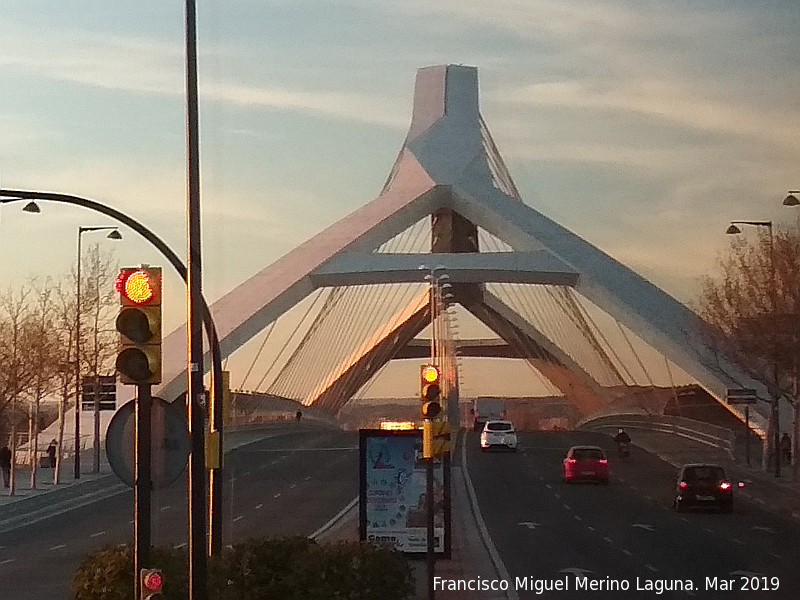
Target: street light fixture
<point x="733" y="229"/>
<point x="791" y="199"/>
<point x="114" y="235"/>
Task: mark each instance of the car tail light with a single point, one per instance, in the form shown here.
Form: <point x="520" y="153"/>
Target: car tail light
<point x="683" y="485"/>
<point x="725" y="485"/>
<point x="571" y="461"/>
<point x="603" y="461"/>
<point x="741" y="484"/>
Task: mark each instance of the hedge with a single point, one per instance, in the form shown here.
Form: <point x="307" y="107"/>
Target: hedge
<point x="286" y="568"/>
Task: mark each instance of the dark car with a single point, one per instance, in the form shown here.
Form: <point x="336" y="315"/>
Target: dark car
<point x="586" y="463"/>
<point x="702" y="485"/>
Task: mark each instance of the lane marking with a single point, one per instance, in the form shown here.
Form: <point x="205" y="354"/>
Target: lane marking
<point x="608" y="539"/>
<point x="277" y="495"/>
<point x="627" y="552"/>
<point x="497" y="562"/>
<point x="239" y="518"/>
<point x="98" y="534"/>
<point x="259" y="506"/>
<point x="566" y="506"/>
<point x="652" y="568"/>
<point x="8" y="560"/>
<point x="59" y="547"/>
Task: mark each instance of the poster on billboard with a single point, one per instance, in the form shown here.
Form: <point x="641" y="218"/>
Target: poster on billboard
<point x="393" y="502"/>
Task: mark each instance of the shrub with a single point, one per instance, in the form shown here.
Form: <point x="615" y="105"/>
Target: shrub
<point x="107" y="574"/>
<point x="288" y="568"/>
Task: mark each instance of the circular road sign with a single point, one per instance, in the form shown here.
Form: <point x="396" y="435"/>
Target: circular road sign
<point x="169" y="443"/>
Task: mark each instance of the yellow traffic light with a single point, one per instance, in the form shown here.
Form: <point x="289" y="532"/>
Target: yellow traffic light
<point x="139" y="325"/>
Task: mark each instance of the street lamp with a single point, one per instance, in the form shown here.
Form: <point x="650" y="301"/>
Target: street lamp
<point x="114" y="235"/>
<point x="733" y="229"/>
<point x="792" y="200"/>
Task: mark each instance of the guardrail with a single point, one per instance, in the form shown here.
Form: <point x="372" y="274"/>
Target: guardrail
<point x="698" y="431"/>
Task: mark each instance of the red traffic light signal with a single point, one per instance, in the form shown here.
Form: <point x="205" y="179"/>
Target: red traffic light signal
<point x="139" y="325"/>
<point x="151" y="582"/>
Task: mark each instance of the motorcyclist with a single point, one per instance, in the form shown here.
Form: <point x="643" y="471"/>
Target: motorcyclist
<point x="622" y="437"/>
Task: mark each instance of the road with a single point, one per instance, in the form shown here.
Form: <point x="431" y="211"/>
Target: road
<point x="289" y="483"/>
<point x="626" y="533"/>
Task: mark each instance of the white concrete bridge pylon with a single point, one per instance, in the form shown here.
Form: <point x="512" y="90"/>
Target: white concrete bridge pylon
<point x="449" y="161"/>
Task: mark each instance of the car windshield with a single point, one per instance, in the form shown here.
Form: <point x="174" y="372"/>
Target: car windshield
<point x="703" y="473"/>
<point x="587" y="454"/>
<point x="499" y="426"/>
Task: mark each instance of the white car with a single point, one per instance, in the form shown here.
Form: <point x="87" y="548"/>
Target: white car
<point x="498" y="434"/>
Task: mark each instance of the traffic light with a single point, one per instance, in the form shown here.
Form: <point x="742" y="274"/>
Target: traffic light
<point x="139" y="325"/>
<point x="430" y="391"/>
<point x="150" y="583"/>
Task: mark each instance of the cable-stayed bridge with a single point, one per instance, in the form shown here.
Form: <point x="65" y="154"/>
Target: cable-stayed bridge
<point x="449" y="240"/>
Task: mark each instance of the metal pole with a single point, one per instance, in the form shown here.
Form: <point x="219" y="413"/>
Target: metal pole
<point x="77" y="470"/>
<point x="196" y="487"/>
<point x="775" y="392"/>
<point x="431" y="555"/>
<point x="747" y="433"/>
<point x="142" y="483"/>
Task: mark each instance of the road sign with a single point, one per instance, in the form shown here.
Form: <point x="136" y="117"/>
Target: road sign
<point x="741" y="396"/>
<point x="170" y="443"/>
<point x="106" y="388"/>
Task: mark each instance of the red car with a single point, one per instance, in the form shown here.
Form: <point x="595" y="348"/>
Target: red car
<point x="586" y="463"/>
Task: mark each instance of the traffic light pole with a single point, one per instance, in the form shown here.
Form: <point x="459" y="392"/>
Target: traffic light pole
<point x="431" y="548"/>
<point x="142" y="483"/>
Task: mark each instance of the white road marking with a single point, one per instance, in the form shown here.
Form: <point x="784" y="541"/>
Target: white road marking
<point x="277" y="495"/>
<point x="528" y="524"/>
<point x="259" y="506"/>
<point x="577" y="518"/>
<point x="98" y="534"/>
<point x="765" y="529"/>
<point x="59" y="547"/>
<point x="644" y="526"/>
<point x="608" y="539"/>
<point x="163" y="508"/>
<point x="566" y="506"/>
<point x="652" y="568"/>
<point x="627" y="552"/>
<point x="239" y="518"/>
<point x="8" y="560"/>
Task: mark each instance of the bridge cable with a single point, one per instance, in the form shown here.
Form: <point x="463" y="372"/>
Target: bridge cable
<point x="258" y="354"/>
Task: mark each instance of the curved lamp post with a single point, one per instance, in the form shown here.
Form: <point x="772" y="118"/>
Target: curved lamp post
<point x="733" y="229"/>
<point x="7" y="196"/>
<point x="114" y="235"/>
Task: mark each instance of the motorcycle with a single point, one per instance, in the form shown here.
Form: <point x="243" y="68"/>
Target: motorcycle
<point x="623" y="449"/>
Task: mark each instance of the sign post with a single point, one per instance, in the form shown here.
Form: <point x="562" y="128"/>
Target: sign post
<point x="746" y="396"/>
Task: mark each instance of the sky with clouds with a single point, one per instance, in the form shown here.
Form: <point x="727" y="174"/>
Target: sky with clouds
<point x="644" y="126"/>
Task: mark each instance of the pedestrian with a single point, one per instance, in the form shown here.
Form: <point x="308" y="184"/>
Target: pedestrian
<point x="5" y="464"/>
<point x="298" y="415"/>
<point x="786" y="448"/>
<point x="51" y="453"/>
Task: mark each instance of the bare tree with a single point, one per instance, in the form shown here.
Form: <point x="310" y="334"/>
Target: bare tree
<point x="757" y="329"/>
<point x="16" y="371"/>
<point x="42" y="347"/>
<point x="98" y="307"/>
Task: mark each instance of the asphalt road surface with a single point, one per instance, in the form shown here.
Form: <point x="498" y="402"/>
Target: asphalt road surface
<point x="290" y="483"/>
<point x="625" y="534"/>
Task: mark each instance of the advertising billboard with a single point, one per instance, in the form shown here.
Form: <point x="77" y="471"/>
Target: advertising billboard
<point x="393" y="502"/>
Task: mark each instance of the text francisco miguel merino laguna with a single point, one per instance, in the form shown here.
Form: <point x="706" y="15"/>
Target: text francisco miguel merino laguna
<point x="577" y="582"/>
